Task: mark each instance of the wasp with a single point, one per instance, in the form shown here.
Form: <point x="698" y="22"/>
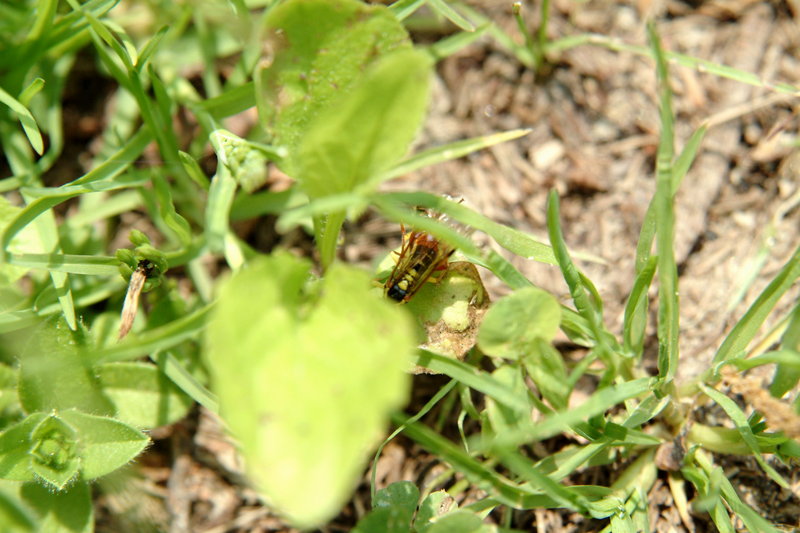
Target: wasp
<point x="420" y="256"/>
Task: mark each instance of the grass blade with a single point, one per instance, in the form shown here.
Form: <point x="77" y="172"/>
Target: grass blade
<point x="668" y="317"/>
<point x="745" y="329"/>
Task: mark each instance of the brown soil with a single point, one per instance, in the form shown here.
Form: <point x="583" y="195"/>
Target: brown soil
<point x="594" y="133"/>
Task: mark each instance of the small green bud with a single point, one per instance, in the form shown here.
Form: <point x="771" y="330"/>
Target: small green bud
<point x="138" y="238"/>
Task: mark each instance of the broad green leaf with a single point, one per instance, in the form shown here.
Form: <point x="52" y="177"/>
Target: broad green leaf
<point x="65" y="511"/>
<point x="401" y="493"/>
<point x="142" y="395"/>
<point x="366" y="131"/>
<point x="53" y="376"/>
<point x="319" y="49"/>
<point x="513" y="323"/>
<point x="55" y="454"/>
<point x="394" y="507"/>
<point x="105" y="444"/>
<point x="391" y="519"/>
<point x="306" y="375"/>
<point x="15" y="445"/>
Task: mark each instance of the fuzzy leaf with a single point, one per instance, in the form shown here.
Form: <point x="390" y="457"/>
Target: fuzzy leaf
<point x="367" y="131"/>
<point x="306" y="383"/>
<point x="15" y="445"/>
<point x="142" y="395"/>
<point x="55" y="455"/>
<point x="105" y="444"/>
<point x="53" y="376"/>
<point x="65" y="511"/>
<point x="319" y="49"/>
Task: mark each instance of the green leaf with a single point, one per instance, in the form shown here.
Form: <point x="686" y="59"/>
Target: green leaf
<point x="385" y="520"/>
<point x="514" y="322"/>
<point x="306" y="384"/>
<point x="444" y="9"/>
<point x="26" y="241"/>
<point x="53" y="376"/>
<point x="745" y="329"/>
<point x="394" y="507"/>
<point x="743" y="427"/>
<point x="449" y="312"/>
<point x="105" y="444"/>
<point x="26" y="120"/>
<point x="142" y="395"/>
<point x="668" y="306"/>
<point x="15" y="445"/>
<point x="451" y="151"/>
<point x="102" y="177"/>
<point x="401" y="493"/>
<point x="65" y="511"/>
<point x="55" y="455"/>
<point x="635" y="321"/>
<point x="545" y="366"/>
<point x="319" y="49"/>
<point x="365" y="132"/>
<point x="90" y="265"/>
<point x="786" y="377"/>
<point x="160" y="338"/>
<point x="504" y="418"/>
<point x="184" y="379"/>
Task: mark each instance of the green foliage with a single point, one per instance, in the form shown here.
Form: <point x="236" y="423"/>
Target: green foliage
<point x="512" y="326"/>
<point x="396" y="511"/>
<point x="305" y="388"/>
<point x="344" y="94"/>
<point x="32" y="507"/>
<point x="319" y="50"/>
<point x="308" y="369"/>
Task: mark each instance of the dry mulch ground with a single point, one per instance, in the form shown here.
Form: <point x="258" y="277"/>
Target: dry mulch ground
<point x="595" y="127"/>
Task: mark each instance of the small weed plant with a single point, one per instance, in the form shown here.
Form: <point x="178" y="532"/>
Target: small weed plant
<point x="309" y="364"/>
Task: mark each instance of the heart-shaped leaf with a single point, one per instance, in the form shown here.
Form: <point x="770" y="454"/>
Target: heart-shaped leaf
<point x="307" y="375"/>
